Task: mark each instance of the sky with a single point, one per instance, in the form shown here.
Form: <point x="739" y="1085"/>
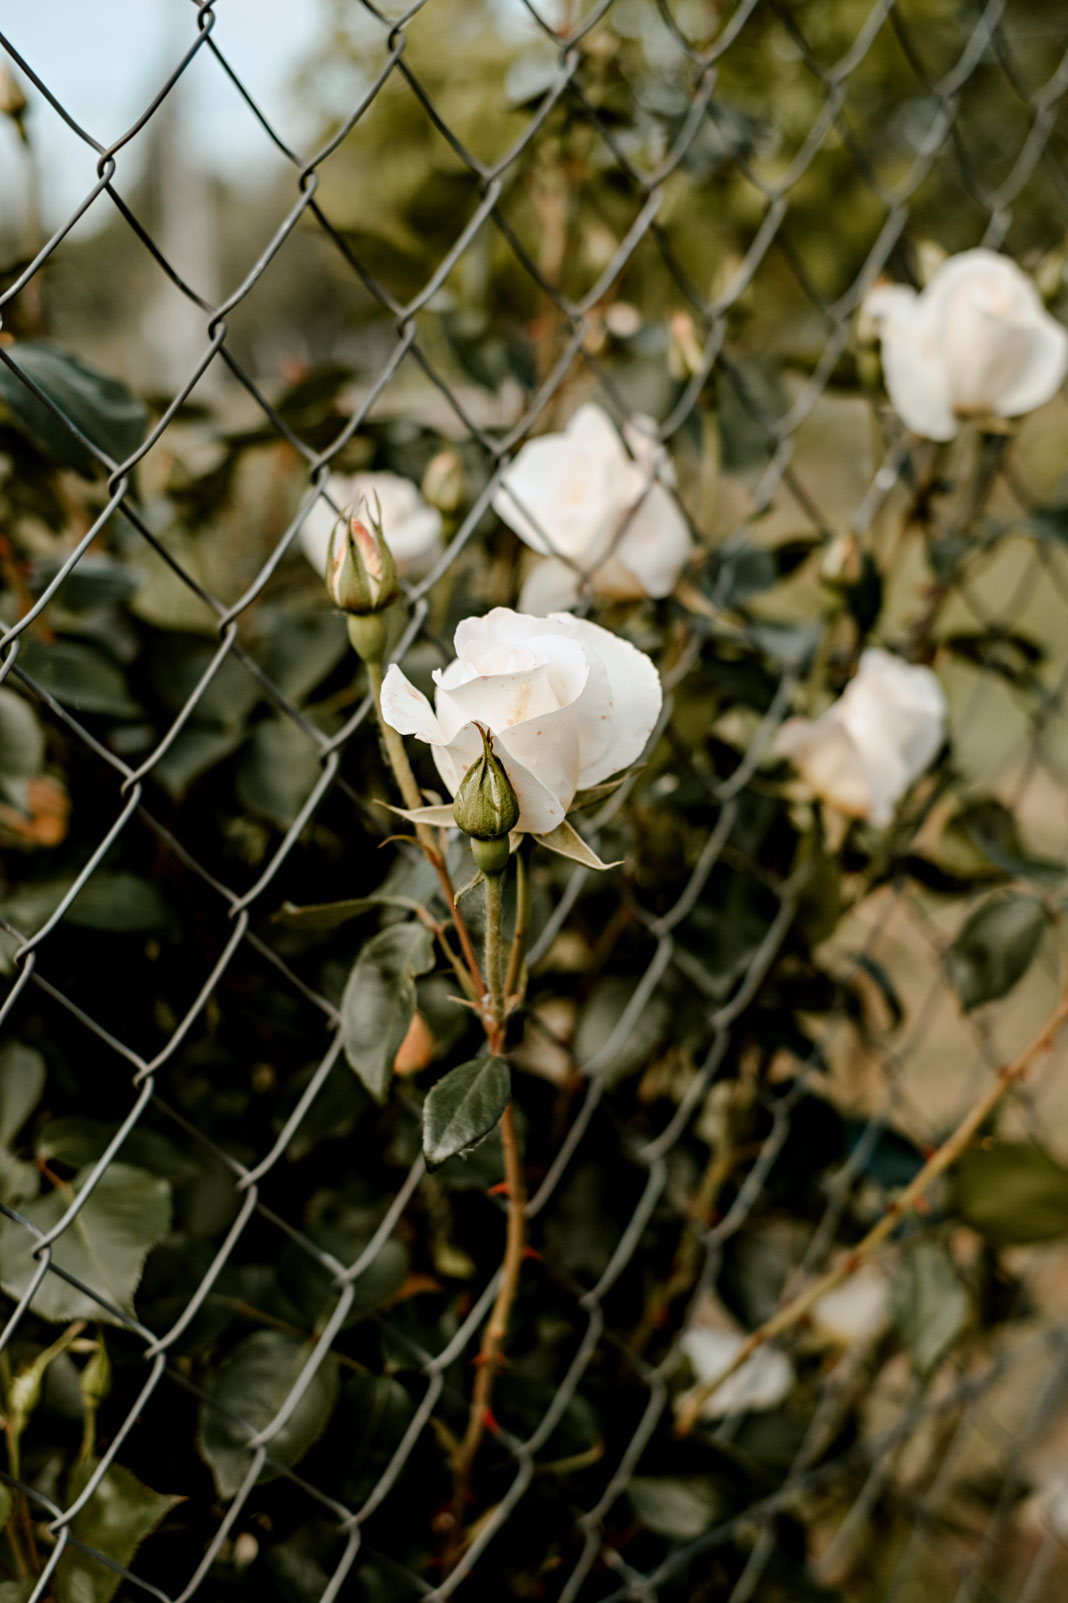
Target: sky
<point x="104" y="60"/>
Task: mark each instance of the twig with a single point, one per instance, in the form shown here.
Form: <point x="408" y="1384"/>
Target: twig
<point x="522" y="919"/>
<point x="490" y="1355"/>
<point x="793" y="1312"/>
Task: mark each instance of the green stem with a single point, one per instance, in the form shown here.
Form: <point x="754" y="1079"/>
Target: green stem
<point x="494" y="948"/>
<point x="516" y="956"/>
<point x="409" y="789"/>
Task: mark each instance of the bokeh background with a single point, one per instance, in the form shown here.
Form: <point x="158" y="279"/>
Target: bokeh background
<point x="345" y="239"/>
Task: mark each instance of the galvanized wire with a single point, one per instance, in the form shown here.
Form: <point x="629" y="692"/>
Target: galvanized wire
<point x="983" y="42"/>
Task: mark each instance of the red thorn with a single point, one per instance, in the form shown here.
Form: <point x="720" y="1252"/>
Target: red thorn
<point x="927" y="1153"/>
<point x="533" y="1255"/>
<point x="922" y="1205"/>
<point x="499" y="1190"/>
<point x="490" y="1422"/>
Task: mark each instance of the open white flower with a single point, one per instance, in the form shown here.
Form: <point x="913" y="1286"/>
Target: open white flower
<point x="411" y="528"/>
<point x="596" y="511"/>
<point x="976" y="342"/>
<point x="856" y="1310"/>
<point x="880" y="735"/>
<point x="567" y="702"/>
<point x="761" y="1382"/>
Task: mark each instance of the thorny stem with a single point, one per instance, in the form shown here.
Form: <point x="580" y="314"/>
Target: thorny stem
<point x="991" y="456"/>
<point x="406" y="784"/>
<point x="522" y="919"/>
<point x="494" y="949"/>
<point x="940" y="1160"/>
<point x="491" y="1354"/>
<point x="11" y="1434"/>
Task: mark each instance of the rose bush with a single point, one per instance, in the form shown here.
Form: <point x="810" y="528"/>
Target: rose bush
<point x="599" y="512"/>
<point x="412" y="528"/>
<point x="567" y="702"/>
<point x="977" y="342"/>
<point x="880" y="735"/>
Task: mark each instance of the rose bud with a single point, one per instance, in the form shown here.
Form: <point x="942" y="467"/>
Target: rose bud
<point x="361" y="579"/>
<point x="361" y="575"/>
<point x="444" y="484"/>
<point x="486" y="808"/>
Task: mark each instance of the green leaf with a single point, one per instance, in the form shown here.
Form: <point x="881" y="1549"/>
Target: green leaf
<point x="984" y="836"/>
<point x="995" y="947"/>
<point x="79" y="677"/>
<point x="253" y="1383"/>
<point x="379" y="1001"/>
<point x="678" y="1507"/>
<point x="599" y="1019"/>
<point x="97" y="581"/>
<point x="115" y="1521"/>
<point x="106" y="412"/>
<point x="329" y="915"/>
<point x="21" y="747"/>
<point x="15" y="1591"/>
<point x="22" y="1079"/>
<point x="80" y="1142"/>
<point x="303" y="650"/>
<point x="464" y="1106"/>
<point x="928" y="1304"/>
<point x="121" y="903"/>
<point x="1012" y="1193"/>
<point x="278" y="771"/>
<point x="194" y="752"/>
<point x="105" y="1246"/>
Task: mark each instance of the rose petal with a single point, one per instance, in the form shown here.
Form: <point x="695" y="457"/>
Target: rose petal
<point x="636" y="698"/>
<point x="411" y="527"/>
<point x="564" y="493"/>
<point x="655" y="543"/>
<point x="552" y="585"/>
<point x="916" y="379"/>
<point x="406" y="709"/>
<point x="894" y="705"/>
<point x="829" y="762"/>
<point x="1043" y="372"/>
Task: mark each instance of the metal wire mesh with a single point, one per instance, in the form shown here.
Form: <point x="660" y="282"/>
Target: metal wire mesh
<point x="981" y="1555"/>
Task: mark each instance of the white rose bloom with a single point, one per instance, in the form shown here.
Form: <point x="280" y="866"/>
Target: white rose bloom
<point x="976" y="342"/>
<point x="876" y="740"/>
<point x="568" y="704"/>
<point x="857" y="1310"/>
<point x="596" y="510"/>
<point x="763" y="1381"/>
<point x="412" y="529"/>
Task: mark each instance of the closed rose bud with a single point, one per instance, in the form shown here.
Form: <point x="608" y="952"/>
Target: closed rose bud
<point x="486" y="807"/>
<point x="13" y="101"/>
<point x="361" y="576"/>
<point x="444" y="483"/>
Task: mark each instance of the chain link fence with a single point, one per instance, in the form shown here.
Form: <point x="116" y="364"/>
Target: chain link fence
<point x="867" y="130"/>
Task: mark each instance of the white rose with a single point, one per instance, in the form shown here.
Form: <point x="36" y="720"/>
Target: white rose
<point x="856" y="1310"/>
<point x="568" y="704"/>
<point x="598" y="511"/>
<point x="977" y="342"/>
<point x="762" y="1381"/>
<point x="411" y="528"/>
<point x="880" y="735"/>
